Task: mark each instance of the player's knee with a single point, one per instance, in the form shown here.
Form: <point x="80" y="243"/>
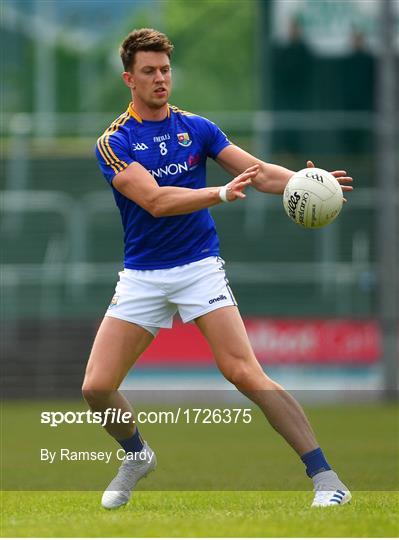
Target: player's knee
<point x="88" y="393"/>
<point x="241" y="372"/>
<point x="94" y="394"/>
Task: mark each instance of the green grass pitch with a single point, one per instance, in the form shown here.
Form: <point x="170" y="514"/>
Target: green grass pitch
<point x="209" y="514"/>
<point x="360" y="440"/>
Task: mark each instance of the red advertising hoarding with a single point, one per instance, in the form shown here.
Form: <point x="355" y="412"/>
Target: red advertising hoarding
<point x="277" y="341"/>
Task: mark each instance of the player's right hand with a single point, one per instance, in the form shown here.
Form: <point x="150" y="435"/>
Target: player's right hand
<point x="235" y="188"/>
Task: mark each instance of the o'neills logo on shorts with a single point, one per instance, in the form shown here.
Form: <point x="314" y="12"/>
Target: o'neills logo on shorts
<point x="218" y="299"/>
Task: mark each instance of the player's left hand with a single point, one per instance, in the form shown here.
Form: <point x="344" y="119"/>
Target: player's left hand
<point x="341" y="176"/>
<point x="235" y="188"/>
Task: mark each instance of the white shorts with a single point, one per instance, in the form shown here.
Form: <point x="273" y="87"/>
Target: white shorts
<point x="150" y="298"/>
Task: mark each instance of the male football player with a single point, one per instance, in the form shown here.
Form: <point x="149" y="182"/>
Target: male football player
<point x="154" y="158"/>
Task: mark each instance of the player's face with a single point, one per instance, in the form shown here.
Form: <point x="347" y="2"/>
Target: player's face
<point x="151" y="78"/>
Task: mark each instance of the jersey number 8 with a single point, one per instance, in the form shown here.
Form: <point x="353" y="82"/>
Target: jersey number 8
<point x="163" y="149"/>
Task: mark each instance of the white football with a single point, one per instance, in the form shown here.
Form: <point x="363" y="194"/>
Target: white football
<point x="313" y="198"/>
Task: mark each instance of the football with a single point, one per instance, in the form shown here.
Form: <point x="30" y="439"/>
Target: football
<point x="313" y="198"/>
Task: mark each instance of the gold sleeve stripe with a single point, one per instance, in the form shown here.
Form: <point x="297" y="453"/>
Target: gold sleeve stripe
<point x="110" y="129"/>
<point x="105" y="157"/>
<point x="112" y="159"/>
<point x="108" y="160"/>
<point x="120" y="162"/>
<point x="104" y="152"/>
<point x="105" y="148"/>
<point x="101" y="146"/>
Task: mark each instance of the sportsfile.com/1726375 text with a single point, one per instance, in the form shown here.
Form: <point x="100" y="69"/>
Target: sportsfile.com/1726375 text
<point x="187" y="415"/>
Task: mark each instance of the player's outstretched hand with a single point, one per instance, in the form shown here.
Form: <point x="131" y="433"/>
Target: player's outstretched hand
<point x="235" y="188"/>
<point x="341" y="176"/>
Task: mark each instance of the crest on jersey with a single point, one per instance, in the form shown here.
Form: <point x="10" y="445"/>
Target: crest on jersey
<point x="184" y="139"/>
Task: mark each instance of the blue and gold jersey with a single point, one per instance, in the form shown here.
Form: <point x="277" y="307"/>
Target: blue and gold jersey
<point x="174" y="151"/>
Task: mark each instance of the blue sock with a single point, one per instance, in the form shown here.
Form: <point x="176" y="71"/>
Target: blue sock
<point x="134" y="444"/>
<point x="315" y="462"/>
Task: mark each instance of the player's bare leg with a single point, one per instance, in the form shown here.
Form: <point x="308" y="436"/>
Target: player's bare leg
<point x="226" y="334"/>
<point x="117" y="346"/>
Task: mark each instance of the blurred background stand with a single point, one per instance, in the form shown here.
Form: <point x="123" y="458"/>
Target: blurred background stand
<point x="291" y="81"/>
<point x="388" y="200"/>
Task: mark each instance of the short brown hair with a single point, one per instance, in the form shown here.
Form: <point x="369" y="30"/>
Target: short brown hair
<point x="144" y="39"/>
